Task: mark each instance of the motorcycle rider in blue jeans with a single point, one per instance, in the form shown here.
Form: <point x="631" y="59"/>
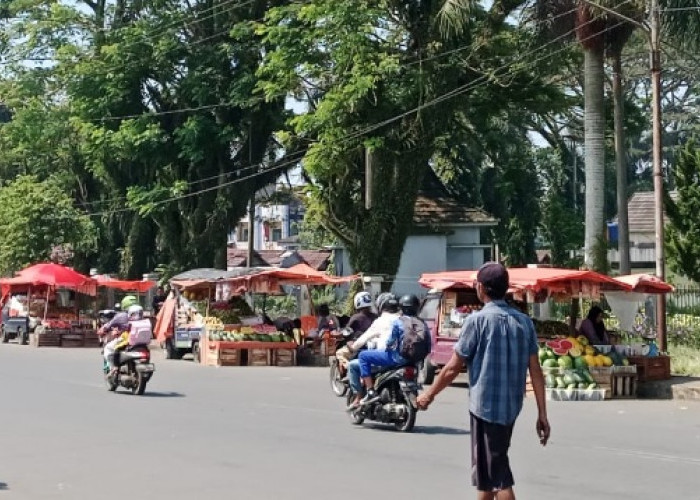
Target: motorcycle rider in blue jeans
<point x="409" y="305"/>
<point x="375" y="338"/>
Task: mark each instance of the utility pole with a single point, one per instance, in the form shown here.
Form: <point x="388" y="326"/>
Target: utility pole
<point x="369" y="179"/>
<point x="251" y="204"/>
<point x="657" y="158"/>
<point x="653" y="31"/>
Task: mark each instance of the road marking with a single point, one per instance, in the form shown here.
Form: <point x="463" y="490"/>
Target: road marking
<point x="646" y="454"/>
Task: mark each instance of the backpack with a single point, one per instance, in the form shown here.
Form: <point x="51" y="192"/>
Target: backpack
<point x="416" y="341"/>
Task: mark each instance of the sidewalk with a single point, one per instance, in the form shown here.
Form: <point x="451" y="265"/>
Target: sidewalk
<point x="687" y="388"/>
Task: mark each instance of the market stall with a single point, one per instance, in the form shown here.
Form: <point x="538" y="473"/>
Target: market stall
<point x="254" y="342"/>
<point x="642" y="350"/>
<point x="53" y="294"/>
<point x="196" y="305"/>
<point x="574" y="369"/>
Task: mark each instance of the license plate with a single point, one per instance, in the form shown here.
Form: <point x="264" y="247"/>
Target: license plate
<point x="146" y="367"/>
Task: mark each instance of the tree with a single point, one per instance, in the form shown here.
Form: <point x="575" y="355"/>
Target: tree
<point x="683" y="230"/>
<point x="37" y="217"/>
<point x="375" y="78"/>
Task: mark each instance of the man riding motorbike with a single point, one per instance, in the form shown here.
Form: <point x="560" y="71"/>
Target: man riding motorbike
<point x="390" y="357"/>
<point x="359" y="323"/>
<point x="122" y="323"/>
<point x="375" y="338"/>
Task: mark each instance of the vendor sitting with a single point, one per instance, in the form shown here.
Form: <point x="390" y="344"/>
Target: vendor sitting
<point x="593" y="327"/>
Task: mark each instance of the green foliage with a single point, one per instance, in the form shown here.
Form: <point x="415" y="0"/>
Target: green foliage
<point x="37" y="217"/>
<point x="683" y="229"/>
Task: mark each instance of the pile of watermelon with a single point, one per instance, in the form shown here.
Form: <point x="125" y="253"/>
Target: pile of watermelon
<point x="249" y="337"/>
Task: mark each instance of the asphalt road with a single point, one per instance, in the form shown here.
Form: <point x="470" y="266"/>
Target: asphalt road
<point x="279" y="433"/>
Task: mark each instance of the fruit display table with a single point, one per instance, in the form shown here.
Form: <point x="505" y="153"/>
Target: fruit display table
<point x="75" y="336"/>
<point x="247" y="353"/>
<point x="652" y="368"/>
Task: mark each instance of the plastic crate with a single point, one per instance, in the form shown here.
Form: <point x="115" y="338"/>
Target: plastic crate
<point x="576" y="394"/>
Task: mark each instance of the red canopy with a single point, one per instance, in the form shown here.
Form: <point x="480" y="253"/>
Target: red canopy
<point x="268" y="281"/>
<point x="537" y="279"/>
<point x="52" y="275"/>
<point x="645" y="283"/>
<point x="141" y="286"/>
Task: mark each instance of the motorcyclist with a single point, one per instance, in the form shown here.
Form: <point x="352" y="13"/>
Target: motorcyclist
<point x="121" y="322"/>
<point x="359" y="323"/>
<point x="409" y="305"/>
<point x="375" y="338"/>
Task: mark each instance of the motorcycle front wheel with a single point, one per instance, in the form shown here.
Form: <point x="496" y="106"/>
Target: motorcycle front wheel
<point x="337" y="385"/>
<point x="356" y="417"/>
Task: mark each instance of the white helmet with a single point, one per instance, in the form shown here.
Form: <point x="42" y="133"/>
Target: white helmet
<point x="363" y="300"/>
<point x="135" y="312"/>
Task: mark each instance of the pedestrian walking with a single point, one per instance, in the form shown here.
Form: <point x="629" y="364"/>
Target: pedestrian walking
<point x="499" y="345"/>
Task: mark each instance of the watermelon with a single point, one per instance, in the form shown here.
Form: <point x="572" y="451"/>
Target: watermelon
<point x="560" y="383"/>
<point x="550" y="381"/>
<point x="552" y="344"/>
<point x="560" y="351"/>
<point x="569" y="379"/>
<point x="550" y="363"/>
<point x="566" y="344"/>
<point x="587" y="375"/>
<point x="582" y="385"/>
<point x="565" y="362"/>
<point x="580" y="363"/>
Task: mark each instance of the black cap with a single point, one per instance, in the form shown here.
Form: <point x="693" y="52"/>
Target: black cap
<point x="494" y="278"/>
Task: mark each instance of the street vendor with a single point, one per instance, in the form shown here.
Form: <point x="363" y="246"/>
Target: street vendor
<point x="593" y="327"/>
<point x="326" y="320"/>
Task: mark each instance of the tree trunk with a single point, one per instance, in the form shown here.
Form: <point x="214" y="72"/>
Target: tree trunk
<point x="621" y="166"/>
<point x="595" y="153"/>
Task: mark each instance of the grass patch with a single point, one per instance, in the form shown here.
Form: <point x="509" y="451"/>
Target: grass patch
<point x="684" y="360"/>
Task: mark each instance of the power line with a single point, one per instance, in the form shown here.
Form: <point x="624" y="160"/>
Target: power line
<point x="460" y="90"/>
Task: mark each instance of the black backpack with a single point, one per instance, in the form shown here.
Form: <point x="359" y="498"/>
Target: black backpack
<point x="416" y="341"/>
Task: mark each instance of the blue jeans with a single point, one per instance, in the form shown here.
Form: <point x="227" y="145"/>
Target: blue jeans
<point x="354" y="376"/>
<point x="380" y="359"/>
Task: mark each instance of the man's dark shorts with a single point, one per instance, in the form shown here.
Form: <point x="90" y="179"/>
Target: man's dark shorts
<point x="490" y="465"/>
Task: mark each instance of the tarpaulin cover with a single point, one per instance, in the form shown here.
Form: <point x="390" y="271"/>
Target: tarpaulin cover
<point x="645" y="283"/>
<point x="140" y="286"/>
<point x="52" y="275"/>
<point x="301" y="274"/>
<point x="553" y="280"/>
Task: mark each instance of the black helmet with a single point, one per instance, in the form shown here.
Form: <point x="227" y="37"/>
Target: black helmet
<point x="409" y="304"/>
<point x="387" y="302"/>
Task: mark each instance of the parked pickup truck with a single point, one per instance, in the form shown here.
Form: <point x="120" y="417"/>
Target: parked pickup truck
<point x="16" y="327"/>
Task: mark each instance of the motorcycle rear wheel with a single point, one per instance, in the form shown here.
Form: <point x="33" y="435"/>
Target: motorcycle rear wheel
<point x="409" y="421"/>
<point x="337" y="385"/>
<point x="140" y="386"/>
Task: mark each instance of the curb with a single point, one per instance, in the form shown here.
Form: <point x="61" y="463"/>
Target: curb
<point x="682" y="388"/>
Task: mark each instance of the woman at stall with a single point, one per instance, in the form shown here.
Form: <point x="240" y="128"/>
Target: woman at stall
<point x="593" y="327"/>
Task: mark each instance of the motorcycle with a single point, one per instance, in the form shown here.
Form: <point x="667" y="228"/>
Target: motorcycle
<point x="338" y="374"/>
<point x="397" y="389"/>
<point x="134" y="369"/>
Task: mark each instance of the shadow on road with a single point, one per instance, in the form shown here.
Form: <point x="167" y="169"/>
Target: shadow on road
<point x="438" y="429"/>
<point x="155" y="394"/>
<point x="3" y="486"/>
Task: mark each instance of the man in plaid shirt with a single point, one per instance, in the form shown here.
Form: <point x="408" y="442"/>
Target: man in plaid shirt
<point x="499" y="345"/>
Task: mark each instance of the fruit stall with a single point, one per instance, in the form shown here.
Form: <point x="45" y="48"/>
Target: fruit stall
<point x="259" y="344"/>
<point x="195" y="302"/>
<point x="61" y="297"/>
<point x="641" y="350"/>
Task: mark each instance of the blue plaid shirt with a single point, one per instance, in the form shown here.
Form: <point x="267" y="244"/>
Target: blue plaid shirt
<point x="497" y="343"/>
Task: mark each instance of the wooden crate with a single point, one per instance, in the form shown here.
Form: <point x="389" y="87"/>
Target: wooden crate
<point x="228" y="357"/>
<point x="259" y="357"/>
<point x="652" y="368"/>
<point x="284" y="357"/>
<point x="624" y="385"/>
<point x="45" y="340"/>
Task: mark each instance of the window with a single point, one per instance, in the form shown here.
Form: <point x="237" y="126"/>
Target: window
<point x="242" y="232"/>
<point x="276" y="233"/>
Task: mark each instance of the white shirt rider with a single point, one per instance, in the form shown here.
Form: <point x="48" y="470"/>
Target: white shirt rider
<point x="378" y="333"/>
